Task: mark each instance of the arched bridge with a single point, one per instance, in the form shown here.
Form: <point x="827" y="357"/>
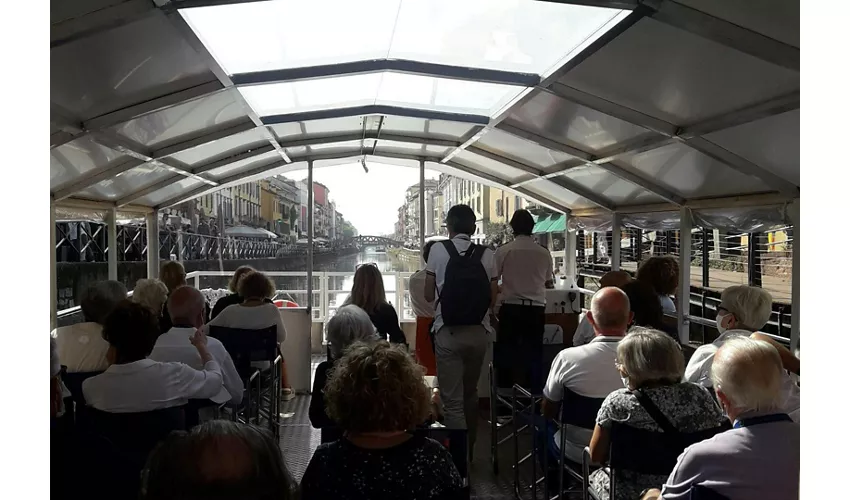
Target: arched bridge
<point x="365" y="240"/>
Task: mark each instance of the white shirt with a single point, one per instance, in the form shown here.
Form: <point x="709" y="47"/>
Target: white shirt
<point x="251" y="318"/>
<point x="174" y="346"/>
<point x="525" y="267"/>
<point x="698" y="371"/>
<point x="438" y="259"/>
<point x="148" y="385"/>
<point x="421" y="307"/>
<point x="584" y="332"/>
<point x="81" y="347"/>
<point x="588" y="371"/>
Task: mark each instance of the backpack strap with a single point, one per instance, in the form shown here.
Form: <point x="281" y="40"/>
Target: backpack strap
<point x="450" y="248"/>
<point x="654" y="412"/>
<point x="475" y="252"/>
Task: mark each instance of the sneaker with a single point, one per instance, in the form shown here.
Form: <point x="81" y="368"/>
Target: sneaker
<point x="286" y="394"/>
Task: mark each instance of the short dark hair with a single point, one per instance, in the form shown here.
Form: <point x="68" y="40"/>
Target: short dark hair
<point x="427" y="250"/>
<point x="218" y="459"/>
<point x="522" y="223"/>
<point x="100" y="298"/>
<point x="377" y="387"/>
<point x="254" y="285"/>
<point x="660" y="272"/>
<point x="131" y="329"/>
<point x="460" y="220"/>
<point x="644" y="304"/>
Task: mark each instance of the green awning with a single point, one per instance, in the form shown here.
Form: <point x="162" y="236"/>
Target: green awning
<point x="542" y="224"/>
<point x="559" y="225"/>
<point x="550" y="224"/>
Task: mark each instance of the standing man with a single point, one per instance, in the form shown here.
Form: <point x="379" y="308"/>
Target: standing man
<point x="526" y="271"/>
<point x="462" y="277"/>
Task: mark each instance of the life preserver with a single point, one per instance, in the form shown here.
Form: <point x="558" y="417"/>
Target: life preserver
<point x="285" y="303"/>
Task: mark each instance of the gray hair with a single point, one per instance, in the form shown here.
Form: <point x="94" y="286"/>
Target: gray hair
<point x="151" y="293"/>
<point x="349" y="324"/>
<point x="100" y="298"/>
<point x="185" y="303"/>
<point x="648" y="355"/>
<point x="750" y="305"/>
<point x="749" y="373"/>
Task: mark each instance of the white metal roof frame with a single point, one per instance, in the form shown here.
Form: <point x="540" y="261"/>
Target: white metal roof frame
<point x="713" y="120"/>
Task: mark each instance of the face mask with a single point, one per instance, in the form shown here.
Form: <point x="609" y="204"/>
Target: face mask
<point x="719" y="319"/>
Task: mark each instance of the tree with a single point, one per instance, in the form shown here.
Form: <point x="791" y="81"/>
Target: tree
<point x="498" y="233"/>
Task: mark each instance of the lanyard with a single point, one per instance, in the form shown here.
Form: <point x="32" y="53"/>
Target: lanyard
<point x="766" y="419"/>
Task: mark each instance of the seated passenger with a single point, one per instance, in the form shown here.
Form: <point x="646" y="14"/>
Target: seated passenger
<point x="651" y="362"/>
<point x="589" y="370"/>
<point x="152" y="294"/>
<point x="234" y="297"/>
<point x="186" y="307"/>
<point x="743" y="310"/>
<point x="760" y="456"/>
<point x="350" y="324"/>
<point x="424" y="312"/>
<point x="134" y="383"/>
<point x="584" y="333"/>
<point x="376" y="394"/>
<point x="647" y="309"/>
<point x="662" y="273"/>
<point x="254" y="313"/>
<point x="368" y="294"/>
<point x="81" y="347"/>
<point x="218" y="459"/>
<point x="173" y="275"/>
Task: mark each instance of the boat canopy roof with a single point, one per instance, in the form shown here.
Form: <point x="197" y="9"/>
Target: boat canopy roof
<point x="589" y="108"/>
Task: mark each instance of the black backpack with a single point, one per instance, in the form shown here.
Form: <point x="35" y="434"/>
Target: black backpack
<point x="465" y="297"/>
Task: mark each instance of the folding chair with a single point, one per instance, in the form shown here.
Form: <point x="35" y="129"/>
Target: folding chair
<point x="250" y="346"/>
<point x="643" y="451"/>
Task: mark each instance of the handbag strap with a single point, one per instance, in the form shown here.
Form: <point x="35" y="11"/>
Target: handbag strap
<point x="654" y="412"/>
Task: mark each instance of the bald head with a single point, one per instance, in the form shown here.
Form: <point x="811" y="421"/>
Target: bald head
<point x="610" y="312"/>
<point x="186" y="306"/>
<point x="618" y="279"/>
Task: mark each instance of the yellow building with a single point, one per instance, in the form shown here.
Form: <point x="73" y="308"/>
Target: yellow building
<point x="246" y="203"/>
<point x="270" y="204"/>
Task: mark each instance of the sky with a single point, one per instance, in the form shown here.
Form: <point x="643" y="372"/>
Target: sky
<point x="370" y="201"/>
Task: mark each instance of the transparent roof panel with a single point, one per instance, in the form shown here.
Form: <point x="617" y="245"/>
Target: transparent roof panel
<point x="528" y="152"/>
<point x="494" y="168"/>
<point x="330" y="126"/>
<point x="558" y="194"/>
<point x="423" y="127"/>
<point x="242" y="165"/>
<point x="611" y="187"/>
<point x="126" y="182"/>
<point x="509" y="35"/>
<point x="74" y="159"/>
<point x="387" y="88"/>
<point x="222" y="148"/>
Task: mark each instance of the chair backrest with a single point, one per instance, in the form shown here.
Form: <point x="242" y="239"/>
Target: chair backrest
<point x="651" y="452"/>
<point x="578" y="410"/>
<point x="246" y="346"/>
<point x="74" y="383"/>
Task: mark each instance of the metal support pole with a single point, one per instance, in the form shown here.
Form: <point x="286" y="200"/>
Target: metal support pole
<point x="180" y="244"/>
<point x="53" y="285"/>
<point x="683" y="307"/>
<point x="639" y="248"/>
<point x="753" y="259"/>
<point x="421" y="212"/>
<point x="310" y="238"/>
<point x="569" y="250"/>
<point x="705" y="257"/>
<point x="616" y="241"/>
<point x="112" y="243"/>
<point x="794" y="215"/>
<point x="152" y="227"/>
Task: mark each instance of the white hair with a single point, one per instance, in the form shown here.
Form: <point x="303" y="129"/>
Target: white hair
<point x="648" y="355"/>
<point x="749" y="373"/>
<point x="751" y="305"/>
<point x="151" y="293"/>
<point x="349" y="324"/>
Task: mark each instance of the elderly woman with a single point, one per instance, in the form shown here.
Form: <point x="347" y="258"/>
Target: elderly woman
<point x="80" y="347"/>
<point x="368" y="294"/>
<point x="152" y="294"/>
<point x="234" y="297"/>
<point x="376" y="394"/>
<point x="350" y="324"/>
<point x="651" y="362"/>
<point x="662" y="273"/>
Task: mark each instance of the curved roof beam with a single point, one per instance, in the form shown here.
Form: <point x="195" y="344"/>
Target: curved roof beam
<point x="375" y="109"/>
<point x="406" y="66"/>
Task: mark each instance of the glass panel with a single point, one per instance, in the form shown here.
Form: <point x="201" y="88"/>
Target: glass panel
<point x="443" y="94"/>
<point x="558" y="194"/>
<point x="182" y="186"/>
<point x="242" y="165"/>
<point x="510" y="35"/>
<point x="421" y="126"/>
<point x="611" y="187"/>
<point x="74" y="159"/>
<point x="126" y="183"/>
<point x="311" y="95"/>
<point x="258" y="36"/>
<point x="330" y="126"/>
<point x="492" y="167"/>
<point x="521" y="150"/>
<point x="222" y="148"/>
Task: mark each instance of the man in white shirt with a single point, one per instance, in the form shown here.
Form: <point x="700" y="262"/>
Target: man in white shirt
<point x="457" y="275"/>
<point x="424" y="312"/>
<point x="526" y="270"/>
<point x="81" y="347"/>
<point x="743" y="310"/>
<point x="186" y="308"/>
<point x="589" y="370"/>
<point x="584" y="333"/>
<point x="134" y="383"/>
